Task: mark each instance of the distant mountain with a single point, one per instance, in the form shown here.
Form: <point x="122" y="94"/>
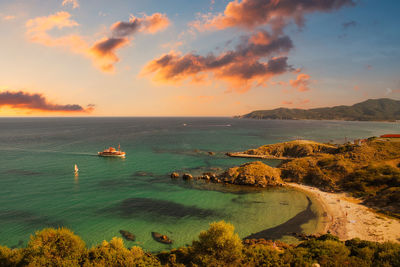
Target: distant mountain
<point x="383" y="109"/>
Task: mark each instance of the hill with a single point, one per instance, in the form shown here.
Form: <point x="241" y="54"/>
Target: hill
<point x="383" y="109"/>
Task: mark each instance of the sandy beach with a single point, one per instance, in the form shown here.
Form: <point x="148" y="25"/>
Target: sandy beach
<point x="348" y="219"/>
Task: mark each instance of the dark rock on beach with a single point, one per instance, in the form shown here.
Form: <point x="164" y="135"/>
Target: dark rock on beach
<point x="127" y="235"/>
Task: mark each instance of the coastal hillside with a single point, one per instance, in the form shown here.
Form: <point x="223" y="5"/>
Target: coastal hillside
<point x="370" y="171"/>
<point x="292" y="149"/>
<point x="383" y="109"/>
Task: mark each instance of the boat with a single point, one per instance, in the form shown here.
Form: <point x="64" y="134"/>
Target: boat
<point x="161" y="238"/>
<point x="76" y="168"/>
<point x="112" y="152"/>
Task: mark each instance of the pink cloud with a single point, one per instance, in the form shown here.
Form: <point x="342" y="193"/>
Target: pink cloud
<point x="301" y="83"/>
<point x="241" y="68"/>
<point x="277" y="14"/>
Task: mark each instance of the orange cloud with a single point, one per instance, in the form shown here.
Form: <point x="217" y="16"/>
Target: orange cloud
<point x="277" y="14"/>
<point x="241" y="68"/>
<point x="287" y="103"/>
<point x="301" y="83"/>
<point x="154" y="23"/>
<point x="8" y="17"/>
<point x="102" y="52"/>
<point x="37" y="102"/>
<point x="37" y="31"/>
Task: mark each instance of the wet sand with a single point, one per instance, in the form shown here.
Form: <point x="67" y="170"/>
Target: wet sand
<point x="348" y="219"/>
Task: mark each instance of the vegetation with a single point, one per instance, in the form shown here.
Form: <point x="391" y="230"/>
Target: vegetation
<point x="218" y="246"/>
<point x="369" y="171"/>
<point x="253" y="173"/>
<point x="292" y="149"/>
<point x="383" y="109"/>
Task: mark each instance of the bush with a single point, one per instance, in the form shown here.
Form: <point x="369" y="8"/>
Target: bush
<point x="114" y="253"/>
<point x="219" y="245"/>
<point x="55" y="247"/>
<point x="10" y="257"/>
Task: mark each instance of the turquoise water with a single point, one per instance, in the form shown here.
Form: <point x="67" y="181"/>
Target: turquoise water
<point x="38" y="187"/>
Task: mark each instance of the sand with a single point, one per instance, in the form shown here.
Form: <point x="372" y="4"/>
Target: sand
<point x="348" y="219"/>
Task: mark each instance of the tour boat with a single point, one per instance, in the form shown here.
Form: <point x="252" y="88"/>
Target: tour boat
<point x="112" y="152"/>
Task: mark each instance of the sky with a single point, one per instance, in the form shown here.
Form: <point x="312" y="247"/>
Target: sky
<point x="194" y="58"/>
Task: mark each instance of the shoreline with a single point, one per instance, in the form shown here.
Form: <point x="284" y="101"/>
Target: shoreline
<point x="347" y="219"/>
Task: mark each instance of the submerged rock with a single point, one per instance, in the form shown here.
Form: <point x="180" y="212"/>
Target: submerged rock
<point x="174" y="175"/>
<point x="127" y="235"/>
<point x="187" y="176"/>
<point x="161" y="238"/>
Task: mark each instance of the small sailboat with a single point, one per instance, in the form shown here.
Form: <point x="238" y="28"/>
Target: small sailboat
<point x="76" y="169"/>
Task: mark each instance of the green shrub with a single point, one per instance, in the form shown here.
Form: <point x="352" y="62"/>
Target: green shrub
<point x="55" y="247"/>
<point x="114" y="253"/>
<point x="10" y="257"/>
<point x="217" y="246"/>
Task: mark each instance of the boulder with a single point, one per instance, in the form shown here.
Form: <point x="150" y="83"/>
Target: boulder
<point x="187" y="176"/>
<point x="174" y="175"/>
<point x="127" y="235"/>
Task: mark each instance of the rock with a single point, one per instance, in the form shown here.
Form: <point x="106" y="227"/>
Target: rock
<point x="211" y="153"/>
<point x="161" y="238"/>
<point x="187" y="176"/>
<point x="174" y="175"/>
<point x="127" y="235"/>
<point x="253" y="173"/>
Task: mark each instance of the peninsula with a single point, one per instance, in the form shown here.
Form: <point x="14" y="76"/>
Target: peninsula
<point x="383" y="109"/>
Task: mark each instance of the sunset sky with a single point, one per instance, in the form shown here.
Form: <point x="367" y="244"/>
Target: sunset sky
<point x="194" y="58"/>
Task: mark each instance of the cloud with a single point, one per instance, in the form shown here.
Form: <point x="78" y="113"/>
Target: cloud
<point x="349" y="24"/>
<point x="277" y="14"/>
<point x="241" y="67"/>
<point x="24" y="100"/>
<point x="102" y="52"/>
<point x="38" y="28"/>
<point x="356" y="88"/>
<point x="369" y="67"/>
<point x="302" y="82"/>
<point x="287" y="103"/>
<point x="8" y="17"/>
<point x="121" y="32"/>
<point x="73" y="3"/>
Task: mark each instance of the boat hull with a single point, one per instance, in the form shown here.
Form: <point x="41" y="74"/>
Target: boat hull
<point x="111" y="155"/>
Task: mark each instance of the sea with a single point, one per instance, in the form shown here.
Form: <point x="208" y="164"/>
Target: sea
<point x="39" y="189"/>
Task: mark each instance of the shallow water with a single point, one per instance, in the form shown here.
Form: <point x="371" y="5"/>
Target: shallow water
<point x="38" y="187"/>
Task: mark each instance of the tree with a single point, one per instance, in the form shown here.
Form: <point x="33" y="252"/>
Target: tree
<point x="217" y="246"/>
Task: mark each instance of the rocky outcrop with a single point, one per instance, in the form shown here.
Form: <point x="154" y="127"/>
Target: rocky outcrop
<point x="253" y="173"/>
<point x="286" y="150"/>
